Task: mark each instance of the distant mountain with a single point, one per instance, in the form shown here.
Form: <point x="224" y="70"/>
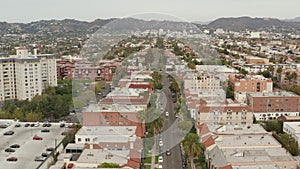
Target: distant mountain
<point x="201" y="22"/>
<point x="52" y="27"/>
<point x="297" y="19"/>
<point x="243" y="23"/>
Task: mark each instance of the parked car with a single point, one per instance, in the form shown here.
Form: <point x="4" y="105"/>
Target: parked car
<point x="12" y="159"/>
<point x="50" y="149"/>
<point x="45" y="130"/>
<point x="3" y="126"/>
<point x="47" y="125"/>
<point x="160" y="159"/>
<point x="32" y="125"/>
<point x="160" y="166"/>
<point x="18" y="125"/>
<point x="9" y="133"/>
<point x="10" y="150"/>
<point x="37" y="137"/>
<point x="62" y="125"/>
<point x="27" y="125"/>
<point x="39" y="158"/>
<point x="161" y="143"/>
<point x="44" y="154"/>
<point x="36" y="124"/>
<point x="15" y="146"/>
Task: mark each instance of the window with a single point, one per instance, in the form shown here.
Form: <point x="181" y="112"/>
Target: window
<point x="79" y="139"/>
<point x="87" y="139"/>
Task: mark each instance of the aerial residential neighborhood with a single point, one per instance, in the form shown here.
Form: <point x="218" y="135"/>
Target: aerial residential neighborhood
<point x="149" y="90"/>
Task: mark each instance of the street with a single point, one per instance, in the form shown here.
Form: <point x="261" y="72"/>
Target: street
<point x="170" y="133"/>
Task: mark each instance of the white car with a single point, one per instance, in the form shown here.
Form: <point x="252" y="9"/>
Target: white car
<point x="160" y="166"/>
<point x="167" y="114"/>
<point x="161" y="143"/>
<point x="160" y="159"/>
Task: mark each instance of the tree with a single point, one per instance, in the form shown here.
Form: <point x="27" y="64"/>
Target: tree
<point x="185" y="126"/>
<point x="229" y="92"/>
<point x="243" y="71"/>
<point x="156" y="125"/>
<point x="108" y="165"/>
<point x="265" y="73"/>
<point x="192" y="146"/>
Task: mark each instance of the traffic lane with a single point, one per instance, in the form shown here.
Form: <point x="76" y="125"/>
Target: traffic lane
<point x="172" y="136"/>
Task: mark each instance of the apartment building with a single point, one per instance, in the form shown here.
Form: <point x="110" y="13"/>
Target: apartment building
<point x="25" y="75"/>
<point x="113" y="115"/>
<point x="224" y="113"/>
<point x="241" y="147"/>
<point x="201" y="81"/>
<point x="250" y="83"/>
<point x="271" y="105"/>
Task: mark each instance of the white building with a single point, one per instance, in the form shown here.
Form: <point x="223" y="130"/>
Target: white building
<point x="25" y="75"/>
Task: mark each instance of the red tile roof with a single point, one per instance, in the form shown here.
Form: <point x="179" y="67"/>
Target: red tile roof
<point x="226" y="167"/>
<point x="208" y="141"/>
<point x="203" y="128"/>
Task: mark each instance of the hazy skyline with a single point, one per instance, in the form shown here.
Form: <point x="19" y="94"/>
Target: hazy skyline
<point x="191" y="10"/>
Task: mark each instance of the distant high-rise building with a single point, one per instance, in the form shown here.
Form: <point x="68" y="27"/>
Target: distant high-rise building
<point x="22" y="76"/>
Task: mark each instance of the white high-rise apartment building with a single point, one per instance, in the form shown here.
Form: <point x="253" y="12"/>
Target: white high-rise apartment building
<point x="22" y="76"/>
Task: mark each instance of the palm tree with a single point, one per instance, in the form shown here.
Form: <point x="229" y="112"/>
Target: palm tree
<point x="156" y="125"/>
<point x="192" y="146"/>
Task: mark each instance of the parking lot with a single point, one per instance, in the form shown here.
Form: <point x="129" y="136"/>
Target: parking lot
<point x="29" y="148"/>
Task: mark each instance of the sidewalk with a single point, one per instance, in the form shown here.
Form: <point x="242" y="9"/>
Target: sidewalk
<point x="153" y="154"/>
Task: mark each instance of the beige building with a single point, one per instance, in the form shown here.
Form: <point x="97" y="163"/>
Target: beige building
<point x="25" y="75"/>
<point x="243" y="147"/>
<point x="201" y="81"/>
<point x="224" y="113"/>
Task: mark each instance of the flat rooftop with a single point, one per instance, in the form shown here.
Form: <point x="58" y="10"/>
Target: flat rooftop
<point x="111" y="108"/>
<point x="293" y="125"/>
<point x="124" y="92"/>
<point x="102" y="131"/>
<point x="257" y="155"/>
<point x="246" y="141"/>
<point x="240" y="129"/>
<point x="98" y="156"/>
<point x="273" y="94"/>
<point x="270" y="166"/>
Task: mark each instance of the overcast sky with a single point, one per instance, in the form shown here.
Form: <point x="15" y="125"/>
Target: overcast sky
<point x="189" y="10"/>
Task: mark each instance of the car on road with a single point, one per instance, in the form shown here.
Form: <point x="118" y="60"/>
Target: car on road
<point x="167" y="114"/>
<point x="50" y="149"/>
<point x="32" y="125"/>
<point x="3" y="126"/>
<point x="70" y="165"/>
<point x="160" y="159"/>
<point x="18" y="125"/>
<point x="160" y="166"/>
<point x="10" y="150"/>
<point x="45" y="154"/>
<point x="12" y="159"/>
<point x="47" y="125"/>
<point x="37" y="138"/>
<point x="9" y="133"/>
<point x="36" y="124"/>
<point x="176" y="115"/>
<point x="27" y="125"/>
<point x="168" y="152"/>
<point x="15" y="146"/>
<point x="39" y="158"/>
<point x="161" y="143"/>
<point x="62" y="125"/>
<point x="45" y="131"/>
